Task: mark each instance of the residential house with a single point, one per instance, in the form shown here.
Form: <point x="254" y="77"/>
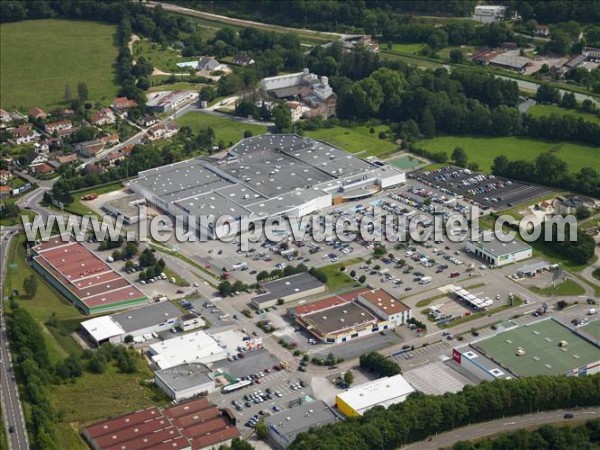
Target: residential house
<point x="111" y="159"/>
<point x="366" y="40"/>
<point x="5" y="191"/>
<point x="42" y="169"/>
<point x="5" y="176"/>
<point x="569" y="205"/>
<point x="297" y="110"/>
<point x="110" y="140"/>
<point x="123" y="104"/>
<point x="89" y="149"/>
<point x="147" y="120"/>
<point x="39" y="159"/>
<point x="38" y="113"/>
<point x="103" y="117"/>
<point x="59" y="126"/>
<point x="41" y="147"/>
<point x="209" y="63"/>
<point x="5" y="117"/>
<point x="163" y="131"/>
<point x="23" y="134"/>
<point x="542" y="30"/>
<point x="67" y="159"/>
<point x="241" y="59"/>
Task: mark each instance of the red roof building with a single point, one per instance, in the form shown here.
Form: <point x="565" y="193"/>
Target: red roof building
<point x="123" y="103"/>
<point x="38" y="113"/>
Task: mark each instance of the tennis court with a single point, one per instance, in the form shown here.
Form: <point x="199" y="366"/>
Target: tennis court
<point x="543" y="348"/>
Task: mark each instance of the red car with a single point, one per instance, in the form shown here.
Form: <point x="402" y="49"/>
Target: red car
<point x="267" y="370"/>
<point x="257" y="381"/>
<point x="277" y="368"/>
<point x="179" y="291"/>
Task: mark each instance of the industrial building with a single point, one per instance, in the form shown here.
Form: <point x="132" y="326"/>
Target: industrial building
<point x="284" y="426"/>
<point x="128" y="207"/>
<point x="385" y="306"/>
<point x="82" y="277"/>
<point x="193" y="425"/>
<point x="185" y="381"/>
<point x="381" y="392"/>
<point x="260" y="177"/>
<point x="196" y="347"/>
<point x="167" y="100"/>
<point x="517" y="63"/>
<point x="288" y="289"/>
<point x="496" y="252"/>
<point x="138" y="323"/>
<point x="489" y="13"/>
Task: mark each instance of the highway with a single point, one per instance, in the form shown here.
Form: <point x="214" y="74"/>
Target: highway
<point x="503" y="425"/>
<point x="11" y="406"/>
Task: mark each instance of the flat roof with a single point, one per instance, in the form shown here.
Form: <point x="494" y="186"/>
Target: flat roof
<point x="291" y="422"/>
<point x="187" y="348"/>
<point x="184" y="376"/>
<point x="383" y="391"/>
<point x="339" y="318"/>
<point x="517" y="62"/>
<point x="146" y="316"/>
<point x="499" y="248"/>
<point x="84" y="274"/>
<point x="328" y="302"/>
<point x="541" y="265"/>
<point x="101" y="328"/>
<point x="283" y="287"/>
<point x="384" y="301"/>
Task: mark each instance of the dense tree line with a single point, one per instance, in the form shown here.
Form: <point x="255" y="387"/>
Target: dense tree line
<point x="580" y="251"/>
<point x="379" y="364"/>
<point x="423" y="415"/>
<point x="565" y="437"/>
<point x="549" y="170"/>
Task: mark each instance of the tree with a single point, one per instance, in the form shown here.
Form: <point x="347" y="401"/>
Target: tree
<point x="128" y="339"/>
<point x="547" y="94"/>
<point x="349" y="377"/>
<point x="583" y="213"/>
<point x="261" y="430"/>
<point x="97" y="364"/>
<point x="30" y="285"/>
<point x="147" y="258"/>
<point x="353" y="273"/>
<point x="225" y="288"/>
<point x="456" y="56"/>
<point x="82" y="91"/>
<point x="568" y="101"/>
<point x="459" y="156"/>
<point x="207" y="94"/>
<point x="282" y="116"/>
<point x="362" y="279"/>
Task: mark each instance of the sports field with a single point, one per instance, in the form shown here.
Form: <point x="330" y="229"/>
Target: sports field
<point x="40" y="57"/>
<point x="483" y="150"/>
<point x="543" y="355"/>
<point x="547" y="110"/>
<point x="227" y="130"/>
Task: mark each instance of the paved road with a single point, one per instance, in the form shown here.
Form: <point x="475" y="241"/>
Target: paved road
<point x="532" y="87"/>
<point x="505" y="424"/>
<point x="11" y="406"/>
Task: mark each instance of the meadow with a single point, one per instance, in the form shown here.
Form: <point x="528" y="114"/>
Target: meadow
<point x="40" y="57"/>
<point x="483" y="150"/>
<point x="357" y="140"/>
<point x="227" y="130"/>
<point x="547" y="110"/>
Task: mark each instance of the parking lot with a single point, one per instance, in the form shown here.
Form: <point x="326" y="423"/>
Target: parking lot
<point x="488" y="191"/>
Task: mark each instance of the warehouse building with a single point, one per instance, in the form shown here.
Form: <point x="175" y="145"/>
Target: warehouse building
<point x="260" y="177"/>
<point x="288" y="289"/>
<point x="193" y="425"/>
<point x="283" y="427"/>
<point x="489" y="13"/>
<point x="385" y="306"/>
<point x="185" y="381"/>
<point x="82" y="277"/>
<point x="138" y="323"/>
<point x="496" y="252"/>
<point x="196" y="347"/>
<point x="381" y="392"/>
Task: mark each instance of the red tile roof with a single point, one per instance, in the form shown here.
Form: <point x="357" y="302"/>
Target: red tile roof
<point x="328" y="302"/>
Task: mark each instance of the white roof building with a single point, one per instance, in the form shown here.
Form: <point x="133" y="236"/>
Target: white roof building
<point x="382" y="392"/>
<point x="103" y="328"/>
<point x="196" y="347"/>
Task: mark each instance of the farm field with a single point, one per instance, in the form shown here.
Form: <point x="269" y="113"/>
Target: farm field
<point x="229" y="131"/>
<point x="483" y="150"/>
<point x="546" y="110"/>
<point x="356" y="140"/>
<point x="40" y="57"/>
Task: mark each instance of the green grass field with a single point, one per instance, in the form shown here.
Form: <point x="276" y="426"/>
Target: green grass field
<point x="407" y="48"/>
<point x="229" y="131"/>
<point x="568" y="287"/>
<point x="542" y="356"/>
<point x="483" y="150"/>
<point x="357" y="140"/>
<point x="162" y="57"/>
<point x="336" y="279"/>
<point x="546" y="110"/>
<point x="40" y="57"/>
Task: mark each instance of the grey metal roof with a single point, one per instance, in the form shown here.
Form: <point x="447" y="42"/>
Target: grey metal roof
<point x="286" y="286"/>
<point x="339" y="318"/>
<point x="184" y="376"/>
<point x="146" y="316"/>
<point x="499" y="248"/>
<point x="291" y="422"/>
